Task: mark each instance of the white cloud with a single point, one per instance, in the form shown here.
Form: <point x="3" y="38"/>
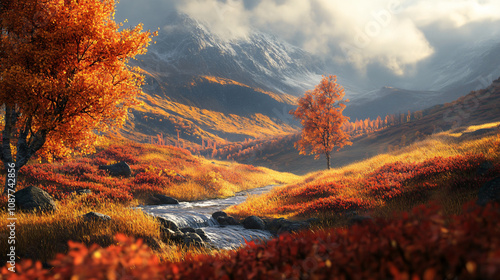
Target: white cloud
<point x="453" y="13"/>
<point x="361" y="32"/>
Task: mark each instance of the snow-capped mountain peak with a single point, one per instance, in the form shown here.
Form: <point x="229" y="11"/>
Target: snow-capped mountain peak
<point x="187" y="46"/>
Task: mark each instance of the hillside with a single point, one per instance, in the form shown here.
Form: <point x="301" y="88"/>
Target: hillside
<point x="207" y="107"/>
<point x="475" y="108"/>
<point x="156" y="170"/>
<point x="443" y="167"/>
<point x="435" y="241"/>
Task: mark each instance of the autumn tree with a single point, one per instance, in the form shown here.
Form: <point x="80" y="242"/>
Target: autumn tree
<point x="320" y="113"/>
<point x="64" y="76"/>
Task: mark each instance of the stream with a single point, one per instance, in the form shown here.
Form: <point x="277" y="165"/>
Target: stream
<point x="198" y="214"/>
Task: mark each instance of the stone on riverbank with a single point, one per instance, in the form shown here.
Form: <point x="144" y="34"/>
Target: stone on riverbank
<point x="159" y="199"/>
<point x="223" y="219"/>
<point x="281" y="225"/>
<point x="254" y="222"/>
<point x="166" y="223"/>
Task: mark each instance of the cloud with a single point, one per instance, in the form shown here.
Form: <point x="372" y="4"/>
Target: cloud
<point x="396" y="34"/>
<point x="229" y="19"/>
<point x="453" y="13"/>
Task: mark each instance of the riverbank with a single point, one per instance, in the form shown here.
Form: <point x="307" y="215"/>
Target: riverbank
<point x="203" y="218"/>
<point x="79" y="187"/>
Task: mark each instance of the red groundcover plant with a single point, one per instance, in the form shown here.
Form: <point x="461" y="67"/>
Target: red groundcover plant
<point x="422" y="244"/>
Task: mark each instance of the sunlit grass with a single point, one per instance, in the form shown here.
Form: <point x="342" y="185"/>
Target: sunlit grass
<point x="351" y="177"/>
<point x="41" y="236"/>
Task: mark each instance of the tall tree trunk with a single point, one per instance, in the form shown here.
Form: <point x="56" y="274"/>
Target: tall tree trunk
<point x="25" y="149"/>
<point x="327" y="160"/>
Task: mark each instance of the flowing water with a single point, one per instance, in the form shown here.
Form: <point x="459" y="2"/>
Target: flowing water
<point x="198" y="214"/>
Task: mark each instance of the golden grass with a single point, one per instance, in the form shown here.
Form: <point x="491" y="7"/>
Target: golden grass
<point x="41" y="236"/>
<point x="223" y="179"/>
<point x="256" y="125"/>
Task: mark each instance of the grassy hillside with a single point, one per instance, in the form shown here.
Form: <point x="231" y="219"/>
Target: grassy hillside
<point x="155" y="170"/>
<point x="207" y="107"/>
<point x="443" y="167"/>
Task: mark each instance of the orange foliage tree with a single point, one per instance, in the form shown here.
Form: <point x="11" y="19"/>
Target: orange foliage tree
<point x="320" y="113"/>
<point x="63" y="76"/>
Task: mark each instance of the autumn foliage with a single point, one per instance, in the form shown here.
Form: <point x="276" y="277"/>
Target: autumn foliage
<point x="63" y="74"/>
<point x="320" y="113"/>
<point x="422" y="244"/>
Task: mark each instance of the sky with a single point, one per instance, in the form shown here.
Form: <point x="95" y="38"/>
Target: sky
<point x="388" y="36"/>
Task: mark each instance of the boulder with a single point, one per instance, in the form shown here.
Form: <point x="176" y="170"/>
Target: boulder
<point x="489" y="192"/>
<point x="227" y="221"/>
<point x="166" y="233"/>
<point x="223" y="219"/>
<point x="177" y="237"/>
<point x="254" y="222"/>
<point x="193" y="239"/>
<point x="94" y="216"/>
<point x="34" y="199"/>
<point x="117" y="169"/>
<point x="168" y="224"/>
<point x="281" y="225"/>
<point x="202" y="234"/>
<point x="159" y="199"/>
<point x="187" y="230"/>
<point x="219" y="214"/>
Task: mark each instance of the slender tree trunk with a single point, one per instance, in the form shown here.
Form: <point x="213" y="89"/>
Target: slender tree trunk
<point x="327" y="160"/>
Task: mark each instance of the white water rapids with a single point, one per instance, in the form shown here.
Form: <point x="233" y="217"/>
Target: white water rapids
<point x="198" y="214"/>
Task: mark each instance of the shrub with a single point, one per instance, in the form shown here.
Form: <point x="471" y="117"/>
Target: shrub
<point x="422" y="244"/>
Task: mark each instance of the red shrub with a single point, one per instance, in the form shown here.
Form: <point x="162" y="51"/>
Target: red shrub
<point x="127" y="153"/>
<point x="335" y="205"/>
<point x="420" y="245"/>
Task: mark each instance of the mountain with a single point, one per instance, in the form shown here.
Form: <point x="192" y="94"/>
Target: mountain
<point x="442" y="78"/>
<point x="207" y="87"/>
<point x="185" y="46"/>
<point x="390" y="100"/>
<point x="462" y="68"/>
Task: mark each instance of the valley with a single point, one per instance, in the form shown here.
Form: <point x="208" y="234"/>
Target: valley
<point x="201" y="176"/>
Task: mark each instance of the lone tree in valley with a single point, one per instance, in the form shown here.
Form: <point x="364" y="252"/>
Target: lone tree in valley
<point x="320" y="112"/>
<point x="63" y="76"/>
